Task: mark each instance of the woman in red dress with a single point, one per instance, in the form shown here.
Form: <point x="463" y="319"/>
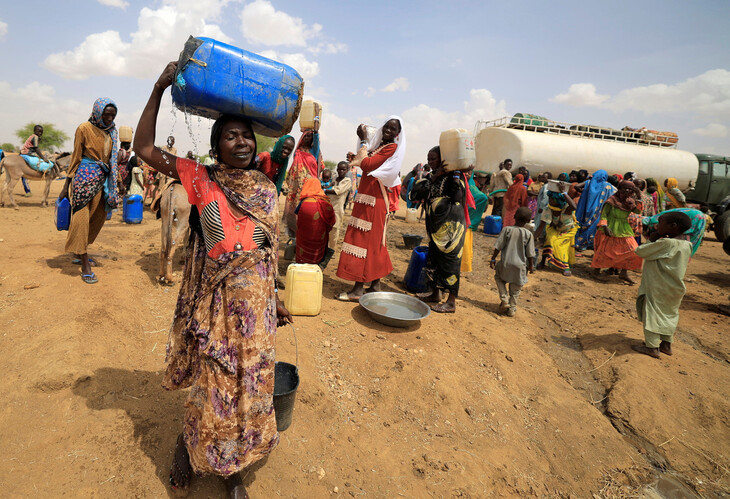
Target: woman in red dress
<point x="514" y="198"/>
<point x="307" y="163"/>
<point x="364" y="256"/>
<point x="315" y="219"/>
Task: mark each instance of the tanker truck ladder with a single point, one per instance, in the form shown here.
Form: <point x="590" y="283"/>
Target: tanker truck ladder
<point x="640" y="136"/>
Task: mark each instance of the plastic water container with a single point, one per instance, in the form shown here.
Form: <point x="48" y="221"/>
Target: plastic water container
<point x="415" y="278"/>
<point x="492" y="225"/>
<point x="132" y="209"/>
<point x="303" y="289"/>
<point x="215" y="78"/>
<point x="125" y="134"/>
<point x="62" y="214"/>
<point x="412" y="215"/>
<point x="457" y="149"/>
<point x="307" y="114"/>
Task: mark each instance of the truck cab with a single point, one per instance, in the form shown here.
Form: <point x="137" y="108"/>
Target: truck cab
<point x="713" y="182"/>
<point x="713" y="188"/>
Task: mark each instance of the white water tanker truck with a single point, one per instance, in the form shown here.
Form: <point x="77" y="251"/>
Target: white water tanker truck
<point x="542" y="145"/>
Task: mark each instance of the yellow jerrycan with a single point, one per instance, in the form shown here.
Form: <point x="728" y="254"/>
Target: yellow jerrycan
<point x="303" y="289"/>
<point x="307" y="114"/>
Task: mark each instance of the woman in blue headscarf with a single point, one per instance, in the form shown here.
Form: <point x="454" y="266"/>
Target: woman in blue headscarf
<point x="94" y="181"/>
<point x="694" y="234"/>
<point x="595" y="193"/>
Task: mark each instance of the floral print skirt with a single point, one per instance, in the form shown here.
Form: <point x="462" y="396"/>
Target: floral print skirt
<point x="222" y="345"/>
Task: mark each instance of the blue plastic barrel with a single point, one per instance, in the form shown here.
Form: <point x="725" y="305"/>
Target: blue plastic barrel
<point x="416" y="279"/>
<point x="62" y="215"/>
<point x="215" y="78"/>
<point x="132" y="209"/>
<point x="492" y="224"/>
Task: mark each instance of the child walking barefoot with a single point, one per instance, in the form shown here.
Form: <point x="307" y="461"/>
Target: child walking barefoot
<point x="662" y="283"/>
<point x="517" y="245"/>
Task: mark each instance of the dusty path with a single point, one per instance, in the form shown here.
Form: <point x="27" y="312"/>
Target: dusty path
<point x="552" y="403"/>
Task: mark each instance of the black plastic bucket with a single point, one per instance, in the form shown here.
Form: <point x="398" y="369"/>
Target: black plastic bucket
<point x="286" y="382"/>
<point x="410" y="241"/>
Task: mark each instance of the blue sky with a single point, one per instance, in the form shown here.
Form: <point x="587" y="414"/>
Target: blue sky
<point x="660" y="64"/>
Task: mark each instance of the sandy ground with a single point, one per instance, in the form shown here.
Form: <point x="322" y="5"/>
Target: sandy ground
<point x="552" y="403"/>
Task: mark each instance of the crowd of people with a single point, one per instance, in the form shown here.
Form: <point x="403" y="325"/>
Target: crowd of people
<point x="222" y="338"/>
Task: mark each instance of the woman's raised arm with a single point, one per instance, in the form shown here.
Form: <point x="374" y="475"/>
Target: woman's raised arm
<point x="144" y="139"/>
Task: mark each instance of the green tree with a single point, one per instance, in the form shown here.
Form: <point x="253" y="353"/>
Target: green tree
<point x="265" y="143"/>
<point x="53" y="138"/>
<point x="7" y="146"/>
<point x="330" y="165"/>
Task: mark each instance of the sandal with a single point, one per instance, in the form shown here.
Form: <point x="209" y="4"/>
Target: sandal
<point x="344" y="296"/>
<point x="89" y="278"/>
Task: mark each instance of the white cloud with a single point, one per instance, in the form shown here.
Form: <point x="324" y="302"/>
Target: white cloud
<point x="328" y="48"/>
<point x="160" y="36"/>
<point x="707" y="94"/>
<point x="115" y="3"/>
<point x="424" y="123"/>
<point x="712" y="130"/>
<point x="370" y="92"/>
<point x="37" y="102"/>
<point x="306" y="68"/>
<point x="3" y="29"/>
<point x="261" y="23"/>
<point x="92" y="56"/>
<point x="399" y="84"/>
<point x="580" y="95"/>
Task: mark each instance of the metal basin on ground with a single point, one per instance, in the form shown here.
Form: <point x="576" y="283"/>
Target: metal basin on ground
<point x="394" y="309"/>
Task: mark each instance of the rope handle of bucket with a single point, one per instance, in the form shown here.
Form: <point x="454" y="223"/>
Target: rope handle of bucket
<point x="296" y="348"/>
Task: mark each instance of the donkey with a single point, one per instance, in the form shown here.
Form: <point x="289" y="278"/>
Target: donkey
<point x="16" y="167"/>
<point x="174" y="212"/>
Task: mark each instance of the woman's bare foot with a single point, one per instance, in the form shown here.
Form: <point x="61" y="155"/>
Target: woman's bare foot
<point x="444" y="308"/>
<point x="433" y="297"/>
<point x="234" y="487"/>
<point x="651" y="352"/>
<point x="665" y="347"/>
<point x="374" y="287"/>
<point x="180" y="472"/>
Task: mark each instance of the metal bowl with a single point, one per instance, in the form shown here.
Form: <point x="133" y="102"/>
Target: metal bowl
<point x="394" y="309"/>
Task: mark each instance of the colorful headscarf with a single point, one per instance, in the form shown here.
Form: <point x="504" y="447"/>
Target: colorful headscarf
<point x="564" y="177"/>
<point x="277" y="158"/>
<point x="661" y="197"/>
<point x="674" y="195"/>
<point x="111" y="189"/>
<point x="695" y="233"/>
<point x="558" y="198"/>
<point x="622" y="201"/>
<point x="591" y="196"/>
<point x="314" y="148"/>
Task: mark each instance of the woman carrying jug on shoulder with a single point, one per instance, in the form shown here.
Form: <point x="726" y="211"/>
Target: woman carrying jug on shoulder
<point x="364" y="257"/>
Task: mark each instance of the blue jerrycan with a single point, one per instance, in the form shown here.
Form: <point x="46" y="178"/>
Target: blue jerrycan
<point x="214" y="78"/>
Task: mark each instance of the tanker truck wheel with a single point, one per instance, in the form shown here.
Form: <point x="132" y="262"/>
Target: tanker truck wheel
<point x="722" y="226"/>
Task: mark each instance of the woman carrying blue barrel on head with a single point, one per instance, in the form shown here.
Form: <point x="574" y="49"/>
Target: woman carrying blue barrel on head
<point x="224" y="329"/>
